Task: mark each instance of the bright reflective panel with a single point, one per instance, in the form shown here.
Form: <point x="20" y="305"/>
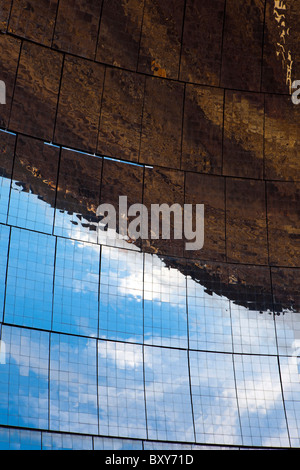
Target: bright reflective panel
<point x="29" y="289"/>
<point x="4" y="241"/>
<point x="253" y="332"/>
<point x="168" y="398"/>
<point x="102" y="443"/>
<point x="24" y="378"/>
<point x="214" y="398"/>
<point x="209" y="319"/>
<point x="260" y="401"/>
<point x="76" y="288"/>
<point x="73" y="384"/>
<point x="121" y="295"/>
<point x="75" y="226"/>
<point x="55" y="441"/>
<point x="290" y="376"/>
<point x="121" y="381"/>
<point x="288" y="332"/>
<point x="164" y="305"/>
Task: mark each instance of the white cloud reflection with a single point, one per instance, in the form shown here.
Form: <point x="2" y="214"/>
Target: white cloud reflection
<point x="237" y="398"/>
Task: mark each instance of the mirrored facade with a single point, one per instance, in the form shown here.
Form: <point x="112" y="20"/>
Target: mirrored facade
<point x="113" y="342"/>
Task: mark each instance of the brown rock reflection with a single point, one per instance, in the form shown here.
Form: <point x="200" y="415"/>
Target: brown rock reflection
<point x="121" y="115"/>
<point x="83" y="185"/>
<point x="79" y="104"/>
<point x="36" y="91"/>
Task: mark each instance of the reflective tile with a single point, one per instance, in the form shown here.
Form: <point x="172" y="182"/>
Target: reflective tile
<point x="30" y="272"/>
<point x="36" y="91"/>
<point x="76" y="288"/>
<point x="121" y="295"/>
<point x="243" y="148"/>
<point x="261" y="407"/>
<point x="246" y="226"/>
<point x="202" y="42"/>
<point x="162" y="122"/>
<point x="121" y="110"/>
<point x="56" y="441"/>
<point x="215" y="405"/>
<point x="73" y="384"/>
<point x="168" y="399"/>
<point x="7" y="150"/>
<point x="34" y="20"/>
<point x="33" y="189"/>
<point x="120" y="31"/>
<point x="242" y="70"/>
<point x="79" y="104"/>
<point x="281" y="139"/>
<point x="24" y="378"/>
<point x="165" y="311"/>
<point x="9" y="58"/>
<point x="161" y="38"/>
<point x="78" y="196"/>
<point x="76" y="27"/>
<point x="121" y="380"/>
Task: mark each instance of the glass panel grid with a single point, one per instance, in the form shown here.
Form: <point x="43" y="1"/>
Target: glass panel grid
<point x="121" y="295"/>
<point x="290" y="376"/>
<point x="20" y="439"/>
<point x="73" y="384"/>
<point x="56" y="441"/>
<point x="214" y="398"/>
<point x="78" y="196"/>
<point x="76" y="288"/>
<point x="121" y="390"/>
<point x="168" y="399"/>
<point x="29" y="291"/>
<point x="29" y="210"/>
<point x="288" y="332"/>
<point x="253" y="332"/>
<point x="209" y="319"/>
<point x="237" y="398"/>
<point x="4" y="242"/>
<point x="106" y="443"/>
